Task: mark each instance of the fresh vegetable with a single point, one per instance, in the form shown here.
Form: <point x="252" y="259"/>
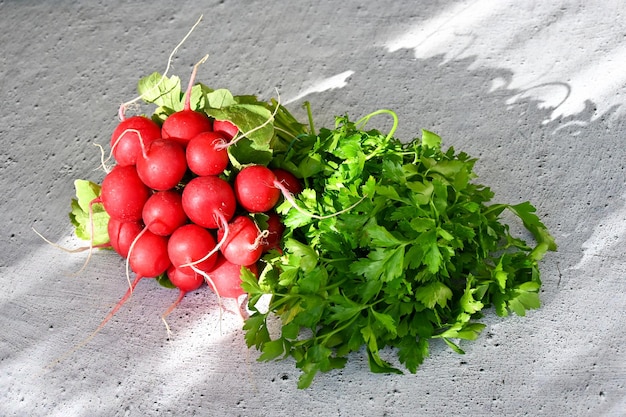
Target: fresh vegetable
<point x="185" y="280"/>
<point x="123" y="194"/>
<point x="121" y="235"/>
<point x="163" y="166"/>
<point x="131" y="137"/>
<point x="226" y="128"/>
<point x="209" y="201"/>
<point x="288" y="180"/>
<point x="191" y="247"/>
<point x="275" y="230"/>
<point x="148" y="255"/>
<point x="359" y="240"/>
<point x="226" y="277"/>
<point x="243" y="245"/>
<point x="418" y="257"/>
<point x="206" y="154"/>
<point x="255" y="189"/>
<point x="163" y="212"/>
<point x="184" y="125"/>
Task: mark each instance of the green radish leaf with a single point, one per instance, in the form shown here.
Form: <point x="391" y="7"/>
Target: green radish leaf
<point x="90" y="220"/>
<point x="162" y="91"/>
<point x="219" y="99"/>
<point x="253" y="121"/>
<point x="164" y="281"/>
<point x="246" y="152"/>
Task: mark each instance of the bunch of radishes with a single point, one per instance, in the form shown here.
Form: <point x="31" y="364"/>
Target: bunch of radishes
<point x="177" y="205"/>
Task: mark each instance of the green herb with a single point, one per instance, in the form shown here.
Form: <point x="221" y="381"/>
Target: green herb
<point x="420" y="255"/>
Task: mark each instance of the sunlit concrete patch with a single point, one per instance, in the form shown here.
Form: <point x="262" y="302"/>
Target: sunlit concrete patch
<point x="57" y="253"/>
<point x="212" y="333"/>
<point x="546" y="48"/>
<point x="330" y="83"/>
<point x="609" y="232"/>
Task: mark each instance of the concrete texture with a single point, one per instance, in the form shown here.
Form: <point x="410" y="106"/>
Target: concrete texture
<point x="535" y="90"/>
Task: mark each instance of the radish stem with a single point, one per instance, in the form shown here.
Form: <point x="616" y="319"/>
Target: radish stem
<point x="167" y="68"/>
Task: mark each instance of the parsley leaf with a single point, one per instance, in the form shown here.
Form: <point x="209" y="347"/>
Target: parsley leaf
<point x="416" y="253"/>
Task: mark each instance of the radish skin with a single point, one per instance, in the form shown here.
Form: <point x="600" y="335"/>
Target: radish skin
<point x="163" y="166"/>
<point x="163" y="212"/>
<point x="123" y="194"/>
<point x="204" y="157"/>
<point x="131" y="136"/>
<point x="243" y="245"/>
<point x="226" y="278"/>
<point x="187" y="123"/>
<point x="122" y="234"/>
<point x="207" y="199"/>
<point x="225" y="127"/>
<point x="254" y="189"/>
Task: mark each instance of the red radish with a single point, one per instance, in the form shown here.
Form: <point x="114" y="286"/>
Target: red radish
<point x="255" y="190"/>
<point x="189" y="244"/>
<point x="243" y="245"/>
<point x="123" y="193"/>
<point x="225" y="127"/>
<point x="163" y="166"/>
<point x="208" y="201"/>
<point x="290" y="181"/>
<point x="204" y="157"/>
<point x="122" y="234"/>
<point x="184" y="280"/>
<point x="131" y="136"/>
<point x="275" y="230"/>
<point x="184" y="125"/>
<point x="187" y="123"/>
<point x="225" y="278"/>
<point x="163" y="212"/>
<point x="148" y="256"/>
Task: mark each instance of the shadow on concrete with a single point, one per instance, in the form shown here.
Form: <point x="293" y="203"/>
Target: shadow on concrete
<point x="571" y="168"/>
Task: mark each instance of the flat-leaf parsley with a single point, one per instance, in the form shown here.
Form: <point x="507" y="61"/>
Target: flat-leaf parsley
<point x="419" y="255"/>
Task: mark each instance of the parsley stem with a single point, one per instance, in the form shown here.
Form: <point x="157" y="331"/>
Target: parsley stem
<point x="309" y="114"/>
<point x="495" y="207"/>
<point x="283" y="298"/>
<point x="363" y="121"/>
<point x="324" y="337"/>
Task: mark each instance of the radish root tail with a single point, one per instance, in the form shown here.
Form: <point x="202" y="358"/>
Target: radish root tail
<point x="99" y="328"/>
<point x="171" y="308"/>
<point x="123" y="106"/>
<point x="130" y="250"/>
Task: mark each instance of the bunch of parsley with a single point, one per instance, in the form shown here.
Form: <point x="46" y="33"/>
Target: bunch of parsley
<point x="403" y="247"/>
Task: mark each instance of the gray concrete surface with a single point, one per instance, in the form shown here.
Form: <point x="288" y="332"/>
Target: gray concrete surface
<point x="536" y="90"/>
